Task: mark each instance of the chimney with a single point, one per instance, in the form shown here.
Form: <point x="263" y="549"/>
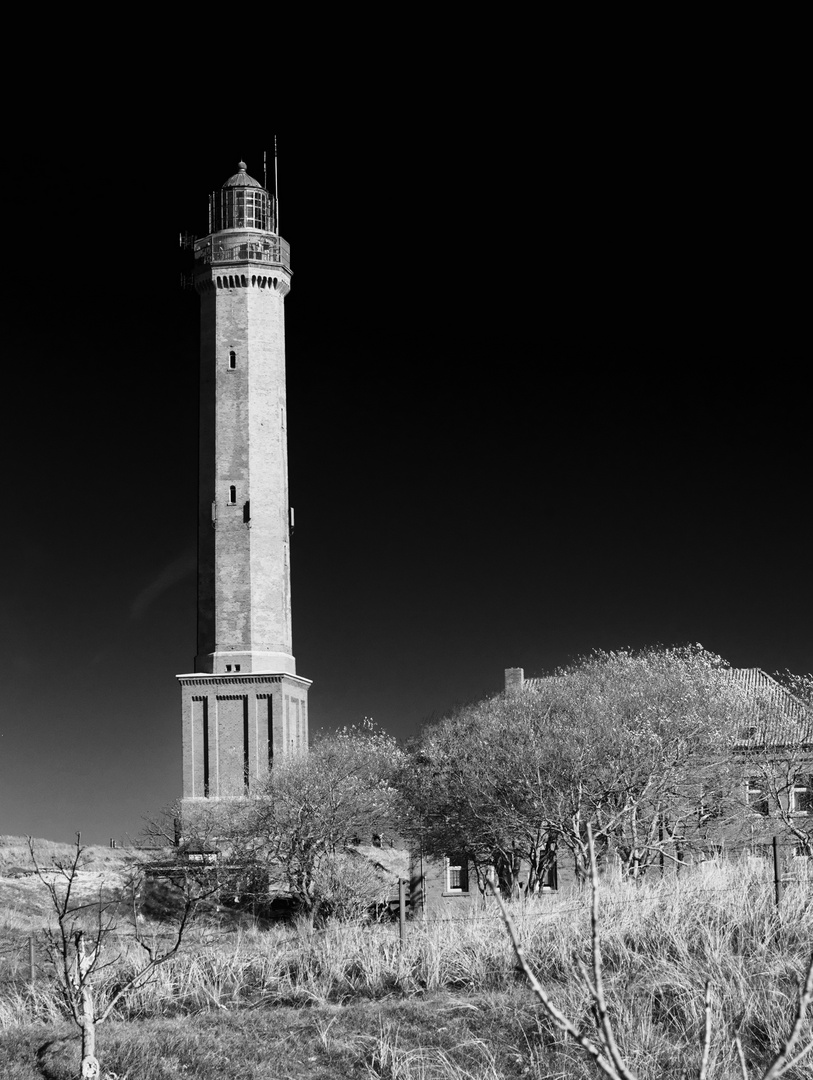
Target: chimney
<point x="514" y="679"/>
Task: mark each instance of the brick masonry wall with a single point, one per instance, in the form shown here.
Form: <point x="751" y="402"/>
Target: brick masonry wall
<point x="244" y="595"/>
<point x="430" y="896"/>
<point x="226" y="719"/>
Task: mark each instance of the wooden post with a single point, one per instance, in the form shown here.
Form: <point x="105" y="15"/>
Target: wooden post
<point x="32" y="969"/>
<point x="402" y="909"/>
<point x="777" y="874"/>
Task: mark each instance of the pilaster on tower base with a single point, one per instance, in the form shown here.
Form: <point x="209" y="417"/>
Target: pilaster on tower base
<point x="235" y="726"/>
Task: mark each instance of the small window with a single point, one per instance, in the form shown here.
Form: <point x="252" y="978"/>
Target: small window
<point x="232" y="360"/>
<point x="457" y="874"/>
<point x="228" y="667"/>
<point x="236" y="667"/>
<point x="232" y="495"/>
<point x="756" y="796"/>
<point x="803" y="795"/>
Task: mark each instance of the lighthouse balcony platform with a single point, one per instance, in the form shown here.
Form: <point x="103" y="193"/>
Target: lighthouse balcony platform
<point x="273" y="251"/>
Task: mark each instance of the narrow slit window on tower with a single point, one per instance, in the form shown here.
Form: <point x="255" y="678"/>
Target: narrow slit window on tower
<point x="232" y="360"/>
<point x="246" y="748"/>
<point x="232" y="495"/>
<point x="270" y="732"/>
<point x="205" y="741"/>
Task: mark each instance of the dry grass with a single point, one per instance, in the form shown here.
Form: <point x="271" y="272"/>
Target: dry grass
<point x="449" y="1005"/>
<point x="14" y="854"/>
<point x="25" y="907"/>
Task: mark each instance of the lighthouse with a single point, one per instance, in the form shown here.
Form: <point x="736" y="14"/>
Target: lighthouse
<point x="244" y="704"/>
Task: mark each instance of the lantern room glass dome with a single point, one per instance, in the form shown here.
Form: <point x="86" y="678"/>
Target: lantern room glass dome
<point x="242" y="203"/>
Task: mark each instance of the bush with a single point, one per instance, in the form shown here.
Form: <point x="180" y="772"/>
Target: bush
<point x="347" y="887"/>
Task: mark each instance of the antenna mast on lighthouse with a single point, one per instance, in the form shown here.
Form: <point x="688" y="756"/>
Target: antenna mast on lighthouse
<point x="276" y="185"/>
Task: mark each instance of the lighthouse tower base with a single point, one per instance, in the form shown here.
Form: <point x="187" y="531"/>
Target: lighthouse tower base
<point x="234" y="726"/>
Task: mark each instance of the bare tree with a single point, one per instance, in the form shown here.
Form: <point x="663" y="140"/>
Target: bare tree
<point x="78" y="944"/>
<point x="635" y="744"/>
<point x="313" y="809"/>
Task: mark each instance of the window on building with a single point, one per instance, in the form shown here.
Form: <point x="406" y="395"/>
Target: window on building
<point x="232" y="360"/>
<point x="756" y="796"/>
<point x="457" y="874"/>
<point x="803" y="795"/>
<point x="232" y="495"/>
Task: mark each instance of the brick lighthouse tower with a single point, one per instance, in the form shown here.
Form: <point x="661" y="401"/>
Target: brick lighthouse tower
<point x="244" y="704"/>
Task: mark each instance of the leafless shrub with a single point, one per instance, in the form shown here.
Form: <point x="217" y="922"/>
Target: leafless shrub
<point x="77" y="945"/>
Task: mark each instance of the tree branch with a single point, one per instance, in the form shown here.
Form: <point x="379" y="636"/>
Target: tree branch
<point x="557" y="1017"/>
<point x="598" y="995"/>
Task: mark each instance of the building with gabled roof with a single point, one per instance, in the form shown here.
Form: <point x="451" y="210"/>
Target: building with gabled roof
<point x="772" y="715"/>
<point x="774" y="744"/>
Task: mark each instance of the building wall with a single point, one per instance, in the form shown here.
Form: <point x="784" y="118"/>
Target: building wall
<point x="235" y="726"/>
<point x="244" y="599"/>
<point x="431" y="897"/>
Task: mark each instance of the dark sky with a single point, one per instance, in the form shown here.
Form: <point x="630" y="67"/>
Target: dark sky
<point x="538" y="404"/>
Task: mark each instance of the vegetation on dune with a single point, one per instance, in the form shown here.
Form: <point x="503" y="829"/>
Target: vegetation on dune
<point x="451" y="999"/>
<point x="626" y="754"/>
<point x="299" y="838"/>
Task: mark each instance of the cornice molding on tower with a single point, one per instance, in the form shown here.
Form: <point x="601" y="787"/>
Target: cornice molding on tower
<point x="199" y="678"/>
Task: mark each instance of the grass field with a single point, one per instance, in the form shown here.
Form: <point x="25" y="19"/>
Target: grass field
<point x="290" y="1002"/>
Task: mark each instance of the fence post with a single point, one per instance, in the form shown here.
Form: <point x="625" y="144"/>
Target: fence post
<point x="777" y="874"/>
<point x="31" y="968"/>
<point x="402" y="909"/>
